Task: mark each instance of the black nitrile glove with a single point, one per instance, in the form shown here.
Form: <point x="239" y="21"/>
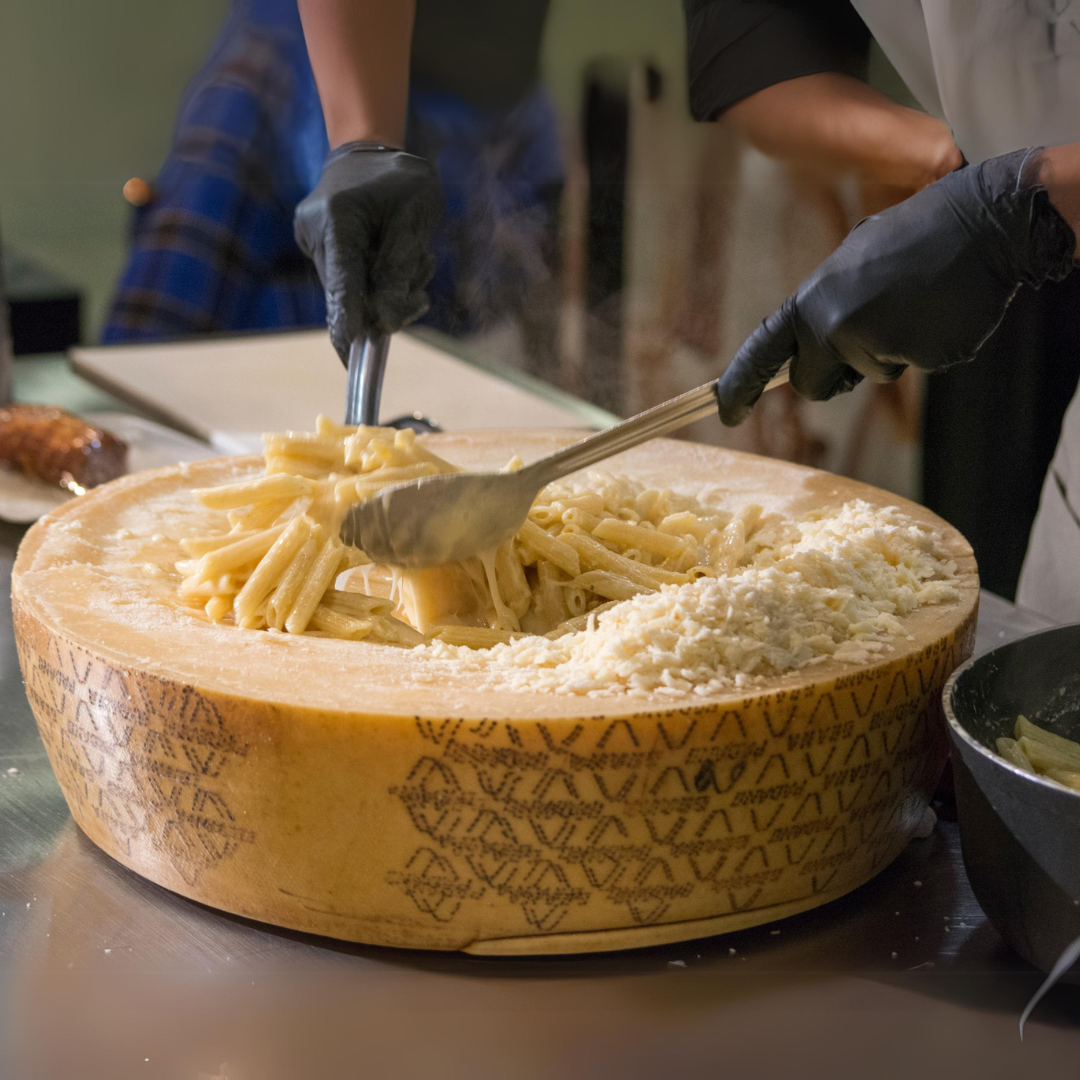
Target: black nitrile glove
<point x="367" y="227"/>
<point x="926" y="282"/>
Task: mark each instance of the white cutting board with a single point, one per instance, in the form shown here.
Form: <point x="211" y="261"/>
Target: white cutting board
<point x="230" y="390"/>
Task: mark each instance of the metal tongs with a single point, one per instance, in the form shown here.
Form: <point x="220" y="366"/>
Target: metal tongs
<point x="452" y="516"/>
<point x="363" y="391"/>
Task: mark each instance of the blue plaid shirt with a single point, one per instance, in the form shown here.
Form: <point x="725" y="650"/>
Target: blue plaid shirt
<point x="214" y="250"/>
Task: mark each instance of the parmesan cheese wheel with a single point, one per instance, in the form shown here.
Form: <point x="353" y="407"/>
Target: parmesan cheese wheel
<point x="339" y="787"/>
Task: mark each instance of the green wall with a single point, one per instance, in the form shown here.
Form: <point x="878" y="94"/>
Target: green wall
<point x="88" y="91"/>
<point x="579" y="30"/>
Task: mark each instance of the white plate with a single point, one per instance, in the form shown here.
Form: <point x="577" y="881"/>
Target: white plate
<point x="150" y="446"/>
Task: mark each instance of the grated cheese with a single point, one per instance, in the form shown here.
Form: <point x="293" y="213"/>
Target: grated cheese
<point x="833" y="585"/>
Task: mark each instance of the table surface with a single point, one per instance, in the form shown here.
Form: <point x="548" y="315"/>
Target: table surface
<point x="103" y="973"/>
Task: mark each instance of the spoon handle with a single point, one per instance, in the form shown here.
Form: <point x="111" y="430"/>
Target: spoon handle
<point x="367" y="363"/>
<point x="670" y="416"/>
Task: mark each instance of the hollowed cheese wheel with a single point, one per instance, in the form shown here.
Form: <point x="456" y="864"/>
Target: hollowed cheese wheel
<point x="337" y="787"/>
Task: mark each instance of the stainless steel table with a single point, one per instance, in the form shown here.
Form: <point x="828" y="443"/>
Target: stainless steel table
<point x="104" y="974"/>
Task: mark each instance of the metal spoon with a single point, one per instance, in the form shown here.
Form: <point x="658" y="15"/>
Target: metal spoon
<point x="367" y="365"/>
<point x="363" y="391"/>
<point x="446" y="518"/>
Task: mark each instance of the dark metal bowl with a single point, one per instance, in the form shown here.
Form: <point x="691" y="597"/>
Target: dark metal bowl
<point x="1020" y="833"/>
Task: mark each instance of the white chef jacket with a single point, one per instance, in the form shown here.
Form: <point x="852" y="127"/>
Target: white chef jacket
<point x="1004" y="74"/>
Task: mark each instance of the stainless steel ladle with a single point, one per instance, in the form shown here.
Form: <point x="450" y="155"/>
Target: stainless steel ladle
<point x="445" y="518"/>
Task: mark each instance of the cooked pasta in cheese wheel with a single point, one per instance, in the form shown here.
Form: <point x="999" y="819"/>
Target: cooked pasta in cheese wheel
<point x="587" y="545"/>
<point x="629" y="539"/>
<point x="697" y="691"/>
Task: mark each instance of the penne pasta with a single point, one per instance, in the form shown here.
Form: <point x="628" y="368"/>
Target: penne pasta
<point x="510" y="579"/>
<point x="300" y="444"/>
<point x="375" y="454"/>
<point x="581" y="518"/>
<point x="217" y="607"/>
<point x="395" y="632"/>
<point x="353" y="557"/>
<point x="284" y="596"/>
<point x="576" y="601"/>
<point x="727" y="550"/>
<point x="249" y="549"/>
<point x="327" y="428"/>
<point x="683" y="523"/>
<point x="1042" y="752"/>
<point x="1064" y="776"/>
<point x="226" y="585"/>
<point x="544" y="516"/>
<point x="750" y="516"/>
<point x="1045" y="756"/>
<point x="319" y="579"/>
<point x="200" y="545"/>
<point x="260" y="516"/>
<point x="249" y="492"/>
<point x="358" y="605"/>
<point x="272" y="566"/>
<point x="588" y="503"/>
<point x="630" y="535"/>
<point x="338" y="625"/>
<point x="326" y="511"/>
<point x="555" y="550"/>
<point x="610" y="585"/>
<point x="1010" y="750"/>
<point x="645" y="503"/>
<point x="1026" y="729"/>
<point x="579" y="622"/>
<point x="361" y="487"/>
<point x="358" y="438"/>
<point x="279" y="465"/>
<point x="595" y="556"/>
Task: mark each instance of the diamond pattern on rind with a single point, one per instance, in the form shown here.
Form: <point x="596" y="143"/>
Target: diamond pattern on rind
<point x="143" y="758"/>
<point x="549" y="816"/>
<point x="707" y="865"/>
<point x="647" y="890"/>
<point x="661" y="818"/>
<point x="545" y="896"/>
<point x="433" y="885"/>
<point x="433" y="797"/>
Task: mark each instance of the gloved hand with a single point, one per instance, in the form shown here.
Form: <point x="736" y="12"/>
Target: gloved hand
<point x="925" y="282"/>
<point x="367" y="227"/>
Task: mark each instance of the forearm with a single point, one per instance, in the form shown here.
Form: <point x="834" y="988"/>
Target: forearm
<point x="1058" y="170"/>
<point x="359" y="52"/>
<point x="837" y="123"/>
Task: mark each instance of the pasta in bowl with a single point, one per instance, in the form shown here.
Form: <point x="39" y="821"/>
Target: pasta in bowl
<point x="504" y="756"/>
